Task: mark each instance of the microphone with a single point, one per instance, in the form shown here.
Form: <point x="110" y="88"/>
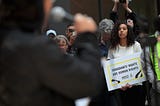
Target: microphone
<point x="59" y="14"/>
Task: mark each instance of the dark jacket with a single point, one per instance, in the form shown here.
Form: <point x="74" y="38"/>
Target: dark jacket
<point x="33" y="71"/>
<point x="136" y="29"/>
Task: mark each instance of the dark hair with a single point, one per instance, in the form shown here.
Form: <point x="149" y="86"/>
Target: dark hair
<point x="115" y="40"/>
<point x="71" y="24"/>
<point x="132" y="16"/>
<point x="25" y="14"/>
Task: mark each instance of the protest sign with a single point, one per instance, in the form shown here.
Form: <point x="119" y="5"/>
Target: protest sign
<point x="120" y="71"/>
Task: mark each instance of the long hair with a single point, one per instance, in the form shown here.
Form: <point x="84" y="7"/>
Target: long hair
<point x="115" y="40"/>
<point x="23" y="14"/>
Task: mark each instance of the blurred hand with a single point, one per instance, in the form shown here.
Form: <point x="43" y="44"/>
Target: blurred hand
<point x="126" y="87"/>
<point x="84" y="23"/>
<point x="116" y="1"/>
<point x="125" y="5"/>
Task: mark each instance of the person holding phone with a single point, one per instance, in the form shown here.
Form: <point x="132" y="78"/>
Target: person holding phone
<point x="130" y="16"/>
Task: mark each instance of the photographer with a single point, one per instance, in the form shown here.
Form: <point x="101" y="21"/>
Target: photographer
<point x="34" y="72"/>
<point x="130" y="17"/>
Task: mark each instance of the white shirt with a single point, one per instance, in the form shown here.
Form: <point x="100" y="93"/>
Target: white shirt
<point x="121" y="51"/>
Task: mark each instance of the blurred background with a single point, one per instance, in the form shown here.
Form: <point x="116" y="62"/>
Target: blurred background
<point x="99" y="9"/>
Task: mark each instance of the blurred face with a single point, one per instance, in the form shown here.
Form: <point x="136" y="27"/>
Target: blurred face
<point x="106" y="37"/>
<point x="130" y="23"/>
<point x="123" y="31"/>
<point x="69" y="31"/>
<point x="62" y="44"/>
<point x="72" y="39"/>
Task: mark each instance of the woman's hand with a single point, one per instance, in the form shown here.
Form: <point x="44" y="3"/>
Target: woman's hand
<point x="125" y="6"/>
<point x="124" y="88"/>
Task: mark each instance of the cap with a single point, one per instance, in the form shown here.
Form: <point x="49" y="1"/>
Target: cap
<point x="51" y="32"/>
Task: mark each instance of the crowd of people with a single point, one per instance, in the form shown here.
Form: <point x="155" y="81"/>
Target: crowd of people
<point x="57" y="69"/>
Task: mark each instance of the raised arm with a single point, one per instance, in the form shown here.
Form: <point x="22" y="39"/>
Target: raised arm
<point x="77" y="76"/>
<point x="113" y="14"/>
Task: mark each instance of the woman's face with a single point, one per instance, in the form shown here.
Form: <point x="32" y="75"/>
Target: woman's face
<point x="123" y="31"/>
<point x="62" y="43"/>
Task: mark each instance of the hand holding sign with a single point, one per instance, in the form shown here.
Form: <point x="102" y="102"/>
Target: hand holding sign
<point x="122" y="73"/>
<point x="126" y="87"/>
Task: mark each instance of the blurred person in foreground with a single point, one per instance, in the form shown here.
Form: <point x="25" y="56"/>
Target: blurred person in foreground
<point x="104" y="98"/>
<point x="34" y="71"/>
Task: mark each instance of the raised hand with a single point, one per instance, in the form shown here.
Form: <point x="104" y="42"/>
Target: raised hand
<point x="84" y="23"/>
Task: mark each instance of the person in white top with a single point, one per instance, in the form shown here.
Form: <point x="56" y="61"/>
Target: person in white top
<point x="123" y="44"/>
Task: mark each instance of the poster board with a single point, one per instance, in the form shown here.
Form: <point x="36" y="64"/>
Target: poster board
<point x="123" y="70"/>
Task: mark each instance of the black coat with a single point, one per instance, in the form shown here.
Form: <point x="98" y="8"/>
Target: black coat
<point x="33" y="71"/>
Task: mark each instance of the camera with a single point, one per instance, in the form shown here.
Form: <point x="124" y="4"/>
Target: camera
<point x="122" y="1"/>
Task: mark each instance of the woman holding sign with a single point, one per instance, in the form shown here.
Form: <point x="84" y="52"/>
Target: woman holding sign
<point x="123" y="44"/>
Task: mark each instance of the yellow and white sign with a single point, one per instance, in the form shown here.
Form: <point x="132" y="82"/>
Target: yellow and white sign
<point x="120" y="71"/>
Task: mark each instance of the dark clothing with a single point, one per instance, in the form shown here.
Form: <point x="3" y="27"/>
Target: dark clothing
<point x="136" y="29"/>
<point x="113" y="16"/>
<point x="34" y="72"/>
<point x="104" y="98"/>
<point x="71" y="50"/>
<point x="134" y="96"/>
<point x="103" y="50"/>
<point x="155" y="97"/>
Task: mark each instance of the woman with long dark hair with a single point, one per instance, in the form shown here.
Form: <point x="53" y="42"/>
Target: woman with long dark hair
<point x="123" y="44"/>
